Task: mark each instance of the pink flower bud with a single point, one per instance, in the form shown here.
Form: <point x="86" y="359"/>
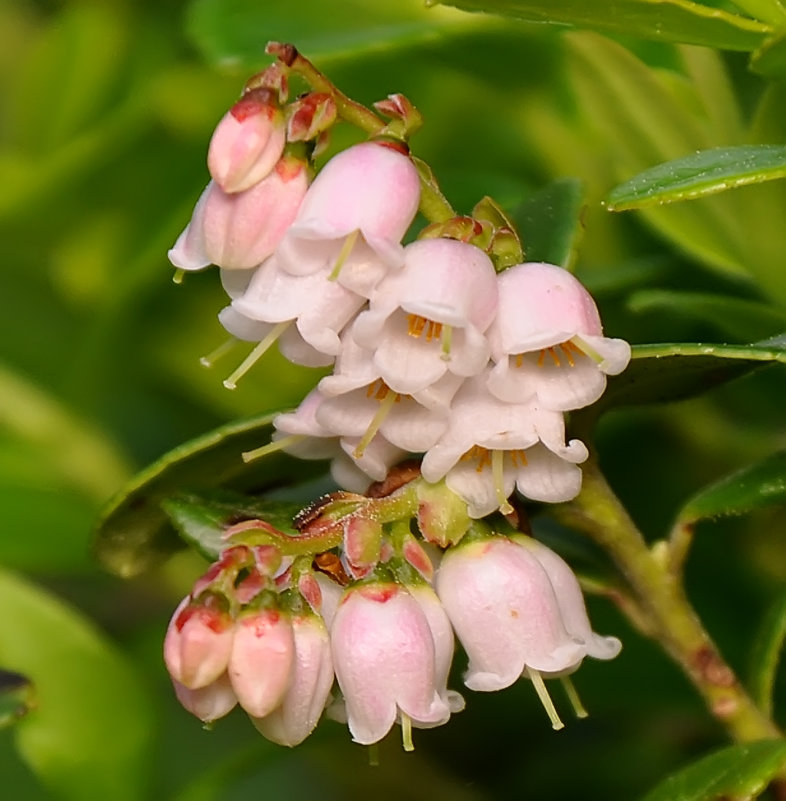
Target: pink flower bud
<point x="260" y="666"/>
<point x="505" y="613"/>
<point x="197" y="644"/>
<point x="312" y="677"/>
<point x="247" y="142"/>
<point x="241" y="230"/>
<point x="208" y="703"/>
<point x="385" y="661"/>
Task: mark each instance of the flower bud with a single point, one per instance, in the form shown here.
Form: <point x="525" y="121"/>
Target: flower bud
<point x="198" y="643"/>
<point x="247" y="142"/>
<point x="260" y="665"/>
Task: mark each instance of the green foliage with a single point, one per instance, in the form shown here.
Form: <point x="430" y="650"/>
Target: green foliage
<point x="740" y="771"/>
<point x="766" y="655"/>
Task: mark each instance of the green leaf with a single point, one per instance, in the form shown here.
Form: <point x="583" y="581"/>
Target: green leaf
<point x="88" y="736"/>
<point x="549" y="222"/>
<point x="739" y="318"/>
<point x="235" y="32"/>
<point x="755" y="487"/>
<point x="769" y="60"/>
<point x="134" y="532"/>
<point x="201" y="518"/>
<point x="739" y="771"/>
<point x="700" y="174"/>
<point x="16" y="697"/>
<point x="668" y="372"/>
<point x="663" y="20"/>
<point x="765" y="655"/>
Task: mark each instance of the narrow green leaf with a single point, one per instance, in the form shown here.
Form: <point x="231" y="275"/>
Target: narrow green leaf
<point x="134" y="531"/>
<point x="766" y="653"/>
<point x="769" y="60"/>
<point x="235" y="32"/>
<point x="739" y="771"/>
<point x="700" y="174"/>
<point x="668" y="372"/>
<point x="88" y="736"/>
<point x="664" y="20"/>
<point x="549" y="222"/>
<point x="739" y="318"/>
<point x="201" y="518"/>
<point x="17" y="697"/>
<point x="755" y="487"/>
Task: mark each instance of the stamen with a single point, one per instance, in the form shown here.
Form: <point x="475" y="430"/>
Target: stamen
<point x="498" y="476"/>
<point x="343" y="254"/>
<point x="272" y="447"/>
<point x="177" y="277"/>
<point x="217" y="353"/>
<point x="386" y="402"/>
<point x="541" y="358"/>
<point x="256" y="354"/>
<point x="586" y="349"/>
<point x="545" y="698"/>
<point x="520" y="360"/>
<point x="565" y="348"/>
<point x="406" y="732"/>
<point x="518" y="457"/>
<point x="447" y="342"/>
<point x="415" y="325"/>
<point x="573" y="697"/>
<point x="554" y="356"/>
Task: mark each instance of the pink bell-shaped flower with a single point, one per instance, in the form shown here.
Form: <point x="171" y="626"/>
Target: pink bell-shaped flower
<point x="312" y="677"/>
<point x="198" y="642"/>
<point x="208" y="703"/>
<point x="429" y="317"/>
<point x="384" y="658"/>
<point x="239" y="231"/>
<point x="547" y="340"/>
<point x="260" y="666"/>
<point x="353" y="217"/>
<point x="491" y="446"/>
<point x="247" y="142"/>
<point x="505" y="613"/>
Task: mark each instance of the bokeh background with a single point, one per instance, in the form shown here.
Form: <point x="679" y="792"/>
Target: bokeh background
<point x="106" y="109"/>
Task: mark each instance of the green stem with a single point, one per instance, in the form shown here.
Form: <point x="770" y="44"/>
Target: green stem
<point x="661" y="598"/>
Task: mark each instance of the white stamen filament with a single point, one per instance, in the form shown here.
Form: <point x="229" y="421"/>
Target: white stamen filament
<point x="586" y="349"/>
<point x="573" y="697"/>
<point x="343" y="254"/>
<point x="272" y="447"/>
<point x="256" y="354"/>
<point x="545" y="698"/>
<point x="406" y="732"/>
<point x="211" y="358"/>
<point x="177" y="277"/>
<point x="385" y="405"/>
<point x="447" y="342"/>
<point x="498" y="477"/>
<point x="373" y="755"/>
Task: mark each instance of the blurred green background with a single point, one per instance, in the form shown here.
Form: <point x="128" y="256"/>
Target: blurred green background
<point x="106" y="109"/>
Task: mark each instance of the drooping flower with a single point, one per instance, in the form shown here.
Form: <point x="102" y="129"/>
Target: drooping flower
<point x="247" y="142"/>
<point x="239" y="231"/>
<point x="312" y="677"/>
<point x="547" y="340"/>
<point x="505" y="613"/>
<point x="198" y="642"/>
<point x="429" y="317"/>
<point x="491" y="446"/>
<point x="353" y="217"/>
<point x="384" y="658"/>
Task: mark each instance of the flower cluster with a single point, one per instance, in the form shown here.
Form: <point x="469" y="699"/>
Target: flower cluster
<point x="376" y="614"/>
<point x="454" y="363"/>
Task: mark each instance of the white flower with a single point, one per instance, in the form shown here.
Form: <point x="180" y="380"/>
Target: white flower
<point x="353" y="217"/>
<point x="547" y="340"/>
<point x="492" y="446"/>
<point x="384" y="657"/>
<point x="429" y="317"/>
<point x="208" y="703"/>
